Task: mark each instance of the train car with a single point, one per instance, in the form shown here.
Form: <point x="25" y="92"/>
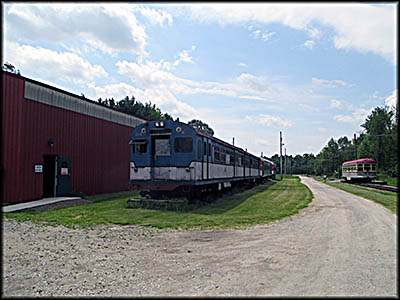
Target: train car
<point x="170" y="158"/>
<point x="363" y="169"/>
<point x="268" y="168"/>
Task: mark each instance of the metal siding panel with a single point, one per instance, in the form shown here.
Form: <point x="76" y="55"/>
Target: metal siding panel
<point x="98" y="149"/>
<point x="11" y="102"/>
<point x="55" y="98"/>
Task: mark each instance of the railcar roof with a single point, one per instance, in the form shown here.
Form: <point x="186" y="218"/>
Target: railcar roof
<point x="223" y="142"/>
<point x="203" y="134"/>
<point x="360" y="161"/>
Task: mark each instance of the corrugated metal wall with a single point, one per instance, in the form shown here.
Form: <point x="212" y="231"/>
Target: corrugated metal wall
<point x="11" y="124"/>
<point x="98" y="148"/>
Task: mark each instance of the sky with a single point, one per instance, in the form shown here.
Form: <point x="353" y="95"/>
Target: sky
<point x="313" y="71"/>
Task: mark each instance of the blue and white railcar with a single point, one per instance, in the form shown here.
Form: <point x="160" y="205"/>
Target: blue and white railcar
<point x="173" y="157"/>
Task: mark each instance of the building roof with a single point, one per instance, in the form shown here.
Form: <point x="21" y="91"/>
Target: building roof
<point x="44" y="93"/>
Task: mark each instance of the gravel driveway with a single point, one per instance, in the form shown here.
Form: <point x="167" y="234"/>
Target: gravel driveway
<point x="340" y="245"/>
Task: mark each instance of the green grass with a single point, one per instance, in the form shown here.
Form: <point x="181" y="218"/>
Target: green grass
<point x="385" y="198"/>
<point x="393" y="181"/>
<point x="261" y="204"/>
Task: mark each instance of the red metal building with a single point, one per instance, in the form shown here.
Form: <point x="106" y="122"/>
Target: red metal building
<point x="55" y="143"/>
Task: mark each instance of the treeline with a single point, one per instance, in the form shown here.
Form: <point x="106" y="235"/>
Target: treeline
<point x="147" y="111"/>
<point x="378" y="141"/>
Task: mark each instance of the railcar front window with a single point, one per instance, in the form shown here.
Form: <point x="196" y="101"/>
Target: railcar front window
<point x="139" y="147"/>
<point x="162" y="147"/>
<point x="184" y="145"/>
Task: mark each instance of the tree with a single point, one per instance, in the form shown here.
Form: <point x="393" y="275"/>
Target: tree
<point x="201" y="126"/>
<point x="131" y="106"/>
<point x="8" y="67"/>
<point x="381" y="138"/>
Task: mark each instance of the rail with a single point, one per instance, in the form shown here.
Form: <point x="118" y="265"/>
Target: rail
<point x="378" y="186"/>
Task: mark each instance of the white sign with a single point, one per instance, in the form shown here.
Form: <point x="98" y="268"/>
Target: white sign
<point x="38" y="169"/>
<point x="64" y="171"/>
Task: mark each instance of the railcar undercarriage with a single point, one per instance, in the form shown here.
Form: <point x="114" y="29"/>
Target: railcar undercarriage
<point x="195" y="193"/>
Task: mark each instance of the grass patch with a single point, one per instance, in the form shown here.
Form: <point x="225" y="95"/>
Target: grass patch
<point x="385" y="198"/>
<point x="260" y="204"/>
<point x="393" y="181"/>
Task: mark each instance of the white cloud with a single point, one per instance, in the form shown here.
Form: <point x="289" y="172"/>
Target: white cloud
<point x="64" y="66"/>
<point x="267" y="143"/>
<point x="183" y="57"/>
<point x="323" y="83"/>
<point x="161" y="97"/>
<point x="391" y="101"/>
<point x="358" y="115"/>
<point x="269" y="120"/>
<point x="156" y="75"/>
<point x="108" y="27"/>
<point x="267" y="36"/>
<point x="258" y="33"/>
<point x="357" y="26"/>
<point x="242" y="64"/>
<point x="309" y="108"/>
<point x="309" y="44"/>
<point x="336" y="103"/>
<point x="156" y="16"/>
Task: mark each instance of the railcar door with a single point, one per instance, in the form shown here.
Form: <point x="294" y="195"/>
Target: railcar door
<point x="160" y="156"/>
<point x="205" y="161"/>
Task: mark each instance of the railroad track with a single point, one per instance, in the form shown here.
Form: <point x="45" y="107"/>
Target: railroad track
<point x="378" y="186"/>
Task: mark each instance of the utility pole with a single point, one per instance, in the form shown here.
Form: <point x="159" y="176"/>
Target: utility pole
<point x="285" y="162"/>
<point x="355" y="144"/>
<point x="280" y="148"/>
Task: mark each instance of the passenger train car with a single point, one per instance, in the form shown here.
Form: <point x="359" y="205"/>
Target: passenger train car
<point x="363" y="169"/>
<point x="174" y="159"/>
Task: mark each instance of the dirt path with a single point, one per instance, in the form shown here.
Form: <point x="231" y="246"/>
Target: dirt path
<point x="340" y="245"/>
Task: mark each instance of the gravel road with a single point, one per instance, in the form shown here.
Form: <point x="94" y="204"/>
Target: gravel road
<point x="341" y="245"/>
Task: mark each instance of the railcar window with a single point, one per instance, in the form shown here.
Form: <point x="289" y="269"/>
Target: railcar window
<point x="199" y="150"/>
<point x="373" y="168"/>
<point x="162" y="147"/>
<point x="184" y="145"/>
<point x="216" y="154"/>
<point x="139" y="147"/>
<point x="223" y="157"/>
<point x="205" y="148"/>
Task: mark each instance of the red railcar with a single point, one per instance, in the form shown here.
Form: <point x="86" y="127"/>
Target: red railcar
<point x="363" y="169"/>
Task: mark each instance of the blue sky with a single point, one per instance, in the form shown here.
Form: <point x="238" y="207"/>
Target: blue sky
<point x="249" y="70"/>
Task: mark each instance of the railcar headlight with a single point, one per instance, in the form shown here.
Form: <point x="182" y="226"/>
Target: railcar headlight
<point x="161" y="124"/>
<point x="178" y="129"/>
<point x="157" y="124"/>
